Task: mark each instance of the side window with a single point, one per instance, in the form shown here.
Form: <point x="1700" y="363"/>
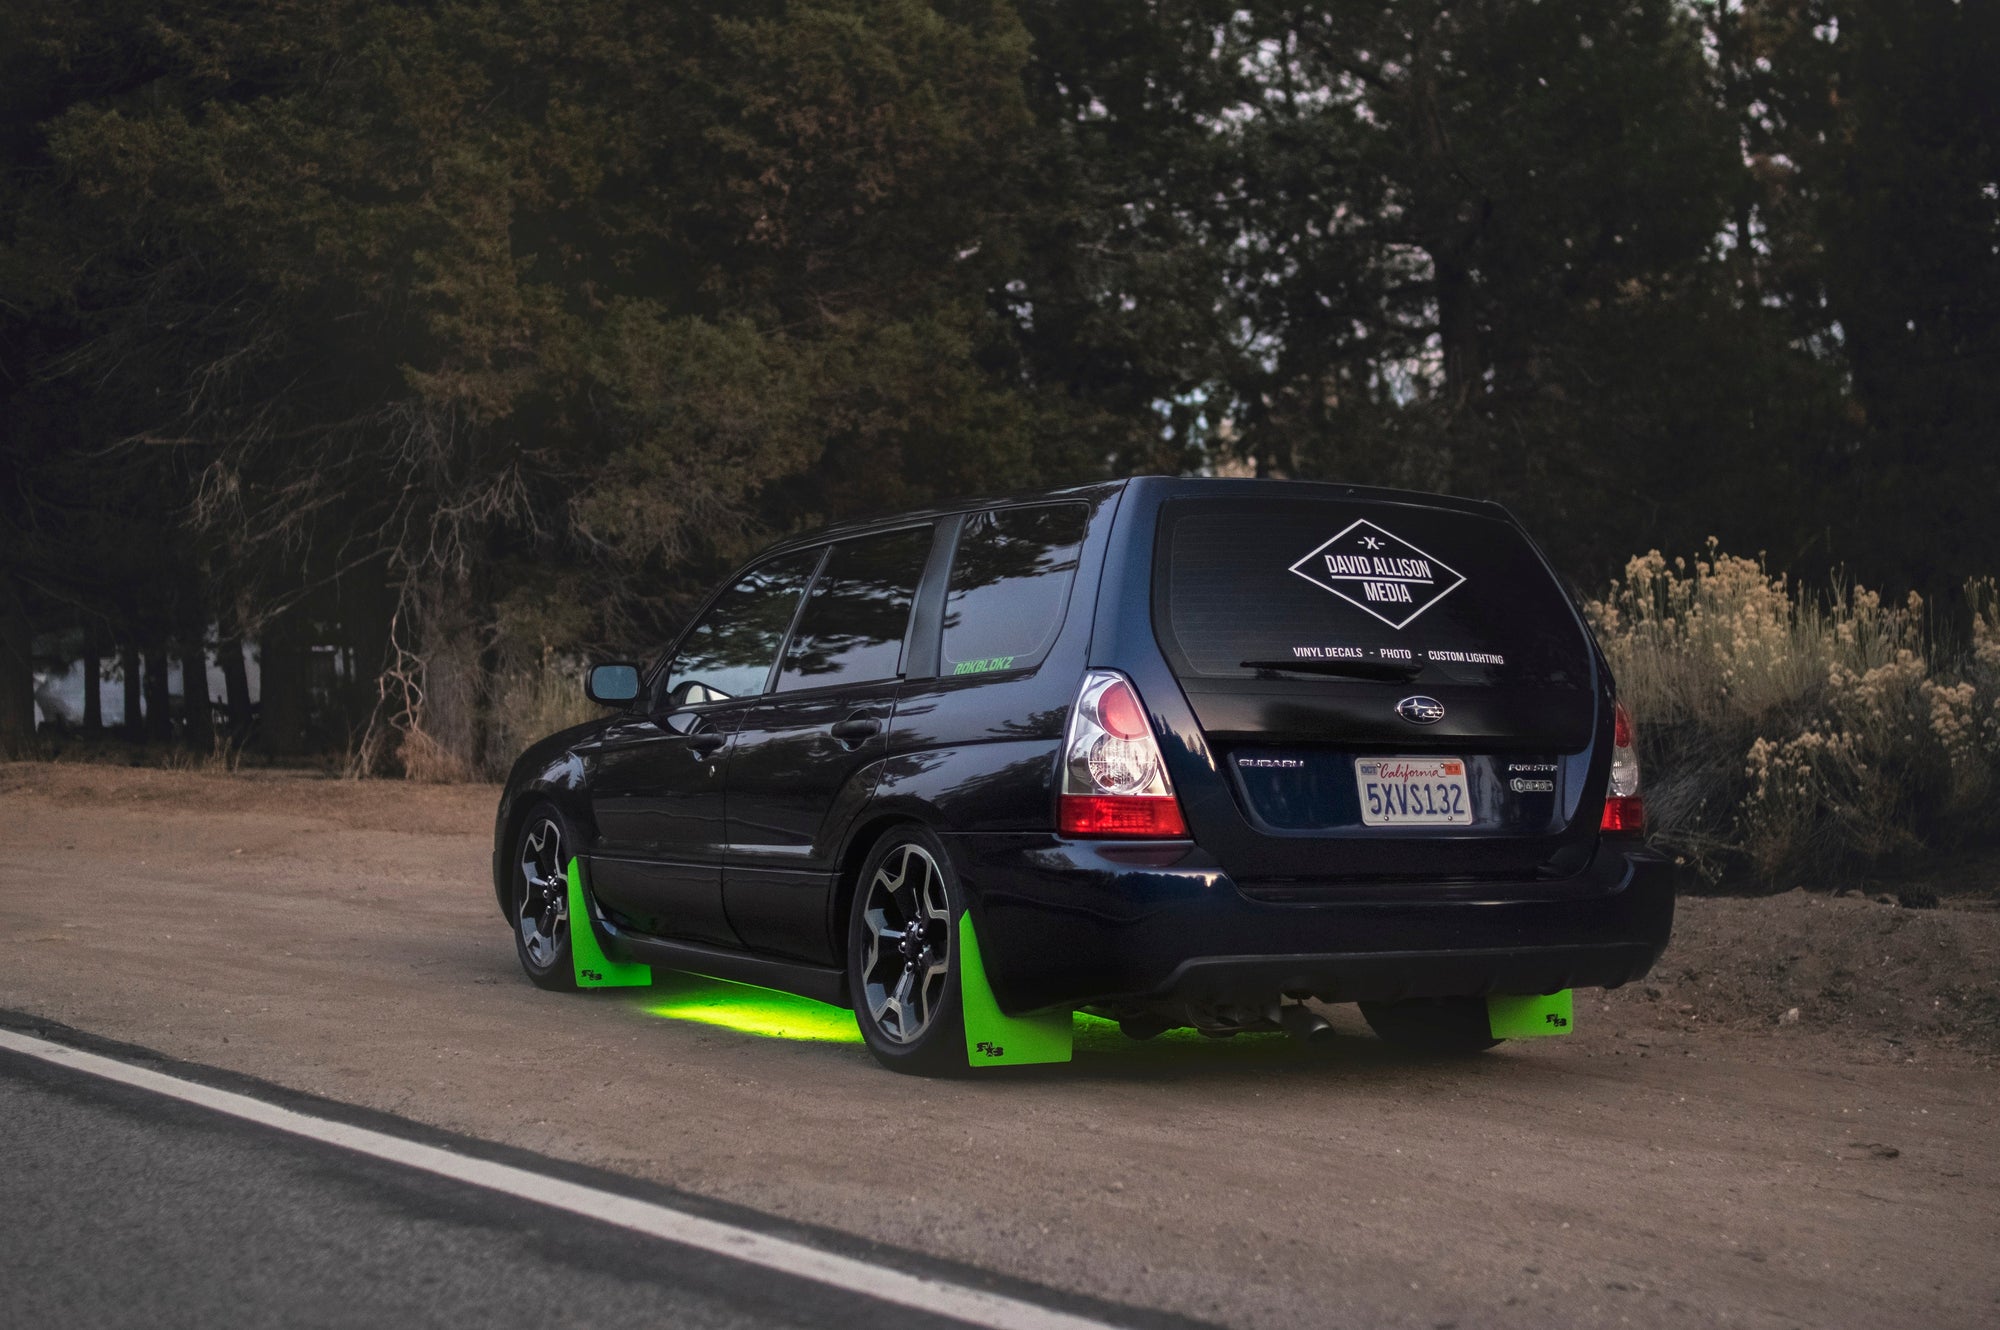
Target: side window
<point x="1009" y="583"/>
<point x="729" y="652"/>
<point x="854" y="621"/>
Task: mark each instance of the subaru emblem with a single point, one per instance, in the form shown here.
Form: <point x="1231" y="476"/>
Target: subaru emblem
<point x="1420" y="710"/>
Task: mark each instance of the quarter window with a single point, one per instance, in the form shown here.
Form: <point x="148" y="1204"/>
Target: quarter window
<point x="854" y="622"/>
<point x="1009" y="583"/>
<point x="729" y="653"/>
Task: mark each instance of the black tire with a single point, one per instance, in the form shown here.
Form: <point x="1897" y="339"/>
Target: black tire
<point x="1446" y="1027"/>
<point x="903" y="982"/>
<point x="538" y="897"/>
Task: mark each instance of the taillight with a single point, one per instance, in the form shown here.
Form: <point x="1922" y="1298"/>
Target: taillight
<point x="1113" y="781"/>
<point x="1624" y="807"/>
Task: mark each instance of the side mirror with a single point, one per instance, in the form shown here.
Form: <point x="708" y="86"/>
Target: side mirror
<point x="612" y="685"/>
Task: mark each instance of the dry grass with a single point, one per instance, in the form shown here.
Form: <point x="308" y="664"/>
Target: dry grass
<point x="1803" y="735"/>
<point x="533" y="702"/>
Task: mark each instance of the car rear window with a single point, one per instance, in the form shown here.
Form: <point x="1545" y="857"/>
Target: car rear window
<point x="1243" y="587"/>
<point x="856" y="616"/>
<point x="1010" y="580"/>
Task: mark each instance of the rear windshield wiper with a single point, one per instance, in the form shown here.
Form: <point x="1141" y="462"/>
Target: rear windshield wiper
<point x="1346" y="669"/>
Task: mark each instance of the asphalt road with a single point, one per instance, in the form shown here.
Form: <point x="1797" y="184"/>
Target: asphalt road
<point x="124" y="1207"/>
<point x="341" y="941"/>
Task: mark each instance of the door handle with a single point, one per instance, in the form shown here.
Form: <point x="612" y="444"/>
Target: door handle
<point x="856" y="729"/>
<point x="704" y="744"/>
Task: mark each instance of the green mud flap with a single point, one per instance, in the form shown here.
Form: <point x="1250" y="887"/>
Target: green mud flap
<point x="993" y="1038"/>
<point x="593" y="968"/>
<point x="1530" y="1017"/>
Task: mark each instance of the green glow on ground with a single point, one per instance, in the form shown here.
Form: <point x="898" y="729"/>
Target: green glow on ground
<point x="747" y="1009"/>
<point x="768" y="1014"/>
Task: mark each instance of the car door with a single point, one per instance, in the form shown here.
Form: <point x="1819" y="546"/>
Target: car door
<point x="806" y="756"/>
<point x="659" y="778"/>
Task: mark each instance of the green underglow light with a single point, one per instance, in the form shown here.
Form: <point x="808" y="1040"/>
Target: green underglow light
<point x="1095" y="1034"/>
<point x="747" y="1009"/>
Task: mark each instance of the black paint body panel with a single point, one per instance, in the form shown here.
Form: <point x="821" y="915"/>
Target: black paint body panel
<point x="1075" y="923"/>
<point x="657" y="798"/>
<point x="793" y="790"/>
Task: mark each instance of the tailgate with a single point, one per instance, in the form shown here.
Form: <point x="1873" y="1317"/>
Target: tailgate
<point x="1314" y="638"/>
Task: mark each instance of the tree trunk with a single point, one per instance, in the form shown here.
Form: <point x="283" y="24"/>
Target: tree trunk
<point x="443" y="742"/>
<point x="1458" y="329"/>
<point x="159" y="699"/>
<point x="194" y="690"/>
<point x="235" y="686"/>
<point x="284" y="674"/>
<point x="93" y="679"/>
<point x="128" y="665"/>
<point x="17" y="672"/>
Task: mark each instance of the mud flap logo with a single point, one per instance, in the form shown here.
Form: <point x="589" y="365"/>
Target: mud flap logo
<point x="1560" y="1022"/>
<point x="1379" y="573"/>
<point x="592" y="975"/>
<point x="991" y="1050"/>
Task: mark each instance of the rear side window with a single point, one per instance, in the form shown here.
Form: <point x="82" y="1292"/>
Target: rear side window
<point x="730" y="650"/>
<point x="1009" y="583"/>
<point x="858" y="612"/>
<point x="1342" y="588"/>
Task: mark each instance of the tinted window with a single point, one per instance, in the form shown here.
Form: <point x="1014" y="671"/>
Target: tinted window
<point x="854" y="621"/>
<point x="1009" y="583"/>
<point x="730" y="651"/>
<point x="1450" y="597"/>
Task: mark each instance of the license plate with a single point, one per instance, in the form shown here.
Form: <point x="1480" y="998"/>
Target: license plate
<point x="1413" y="791"/>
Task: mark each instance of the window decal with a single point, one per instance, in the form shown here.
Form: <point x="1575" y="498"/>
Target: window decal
<point x="1379" y="573"/>
<point x="982" y="666"/>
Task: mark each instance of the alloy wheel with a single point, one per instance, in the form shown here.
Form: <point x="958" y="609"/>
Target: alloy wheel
<point x="543" y="907"/>
<point x="907" y="957"/>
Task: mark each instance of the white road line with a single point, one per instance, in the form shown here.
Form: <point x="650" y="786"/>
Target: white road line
<point x="881" y="1283"/>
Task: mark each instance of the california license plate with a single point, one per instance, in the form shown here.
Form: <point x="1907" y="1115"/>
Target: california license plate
<point x="1413" y="791"/>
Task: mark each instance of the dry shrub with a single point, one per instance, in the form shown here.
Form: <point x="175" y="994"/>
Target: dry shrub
<point x="1801" y="733"/>
<point x="531" y="702"/>
<point x="425" y="759"/>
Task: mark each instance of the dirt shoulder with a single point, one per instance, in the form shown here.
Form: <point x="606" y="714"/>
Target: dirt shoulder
<point x="1847" y="976"/>
<point x="1882" y="981"/>
<point x="1691" y="1156"/>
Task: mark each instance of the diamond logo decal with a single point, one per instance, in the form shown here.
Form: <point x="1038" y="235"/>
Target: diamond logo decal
<point x="1379" y="573"/>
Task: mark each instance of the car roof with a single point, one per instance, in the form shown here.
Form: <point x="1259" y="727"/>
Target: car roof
<point x="859" y="525"/>
<point x="1165" y="487"/>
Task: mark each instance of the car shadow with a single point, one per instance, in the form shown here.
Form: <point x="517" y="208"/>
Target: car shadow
<point x="1344" y="1059"/>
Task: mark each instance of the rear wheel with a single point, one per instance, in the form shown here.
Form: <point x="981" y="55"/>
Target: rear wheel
<point x="1445" y="1026"/>
<point x="902" y="956"/>
<point x="541" y="898"/>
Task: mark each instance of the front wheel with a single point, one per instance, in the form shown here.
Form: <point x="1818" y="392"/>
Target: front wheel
<point x="1453" y="1026"/>
<point x="902" y="956"/>
<point x="541" y="898"/>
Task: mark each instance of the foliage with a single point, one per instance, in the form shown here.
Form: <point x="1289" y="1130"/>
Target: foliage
<point x="1491" y="265"/>
<point x="1803" y="734"/>
<point x="458" y="334"/>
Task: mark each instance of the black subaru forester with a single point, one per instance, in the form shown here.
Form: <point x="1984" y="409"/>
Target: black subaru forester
<point x="1176" y="752"/>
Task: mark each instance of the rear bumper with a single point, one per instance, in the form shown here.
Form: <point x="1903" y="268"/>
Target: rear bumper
<point x="1074" y="923"/>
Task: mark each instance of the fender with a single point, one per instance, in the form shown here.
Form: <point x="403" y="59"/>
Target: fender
<point x="553" y="770"/>
<point x="937" y="788"/>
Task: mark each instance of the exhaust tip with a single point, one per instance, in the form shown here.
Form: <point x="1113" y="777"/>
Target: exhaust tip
<point x="1304" y="1024"/>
